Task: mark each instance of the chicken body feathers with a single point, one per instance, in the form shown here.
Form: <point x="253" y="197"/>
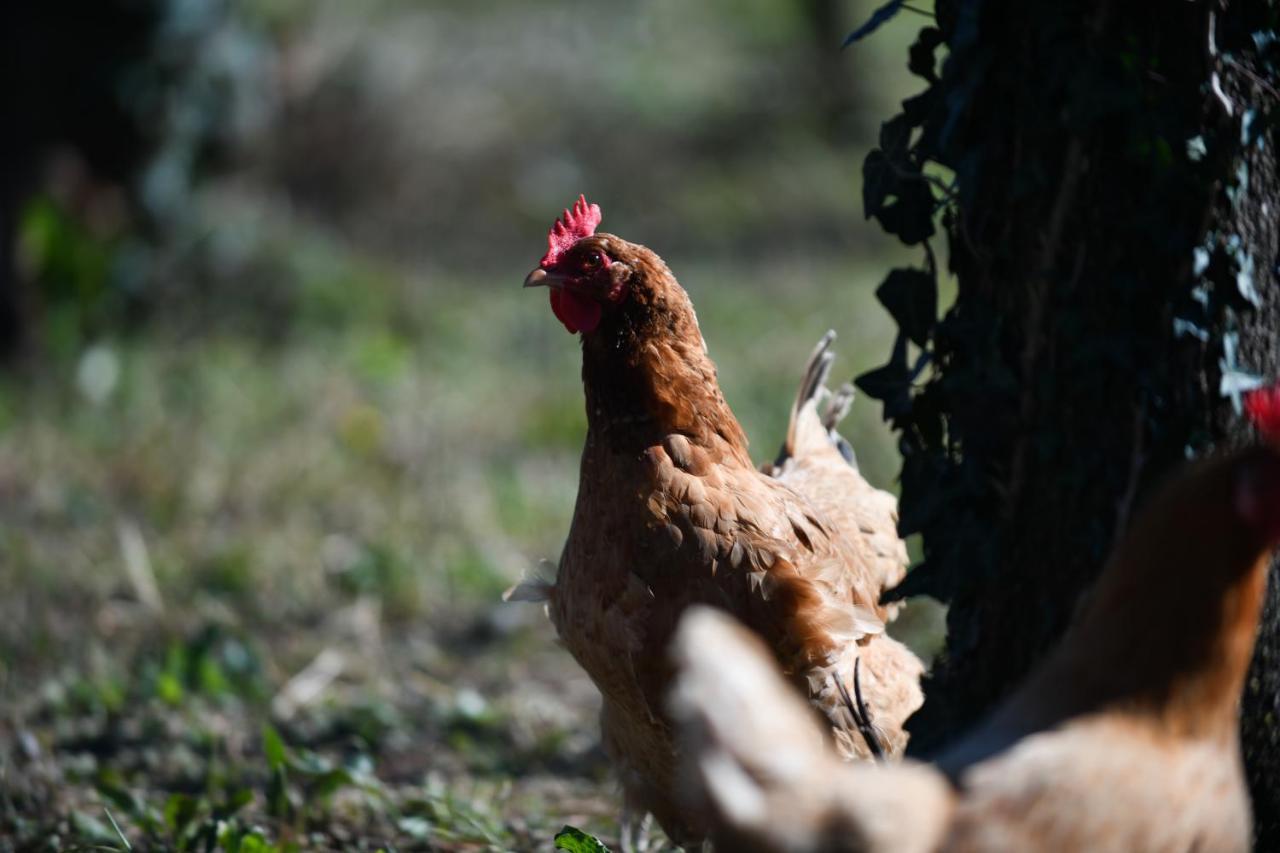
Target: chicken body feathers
<point x="737" y="540"/>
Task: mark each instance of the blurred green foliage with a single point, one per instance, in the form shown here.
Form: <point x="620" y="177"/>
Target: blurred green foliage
<point x="72" y="269"/>
<point x="292" y="354"/>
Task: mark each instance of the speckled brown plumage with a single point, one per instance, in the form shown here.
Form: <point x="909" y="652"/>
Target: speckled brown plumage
<point x="671" y="512"/>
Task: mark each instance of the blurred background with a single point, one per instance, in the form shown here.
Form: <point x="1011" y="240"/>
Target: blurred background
<point x="278" y="424"/>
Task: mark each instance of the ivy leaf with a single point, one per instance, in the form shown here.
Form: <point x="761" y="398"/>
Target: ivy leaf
<point x="893" y="189"/>
<point x="1235" y="384"/>
<point x="917" y="110"/>
<point x="942" y="574"/>
<point x="921" y="580"/>
<point x="1245" y="283"/>
<point x="895" y="137"/>
<point x="878" y="182"/>
<point x="891" y="384"/>
<point x="921" y="61"/>
<point x="1183" y="327"/>
<point x="883" y="383"/>
<point x="911" y="297"/>
<point x="910" y="214"/>
<point x="576" y="841"/>
<point x="878" y="17"/>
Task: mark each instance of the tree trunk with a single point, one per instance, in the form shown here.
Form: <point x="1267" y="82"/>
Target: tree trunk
<point x="1112" y="227"/>
<point x="1257" y="219"/>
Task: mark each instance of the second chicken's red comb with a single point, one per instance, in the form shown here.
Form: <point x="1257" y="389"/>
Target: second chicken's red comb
<point x="578" y="222"/>
<point x="1263" y="406"/>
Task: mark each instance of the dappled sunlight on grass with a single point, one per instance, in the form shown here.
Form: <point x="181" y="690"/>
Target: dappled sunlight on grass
<point x="253" y="544"/>
<point x="358" y="467"/>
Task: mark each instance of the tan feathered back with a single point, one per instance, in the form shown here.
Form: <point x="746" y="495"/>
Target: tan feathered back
<point x="816" y="461"/>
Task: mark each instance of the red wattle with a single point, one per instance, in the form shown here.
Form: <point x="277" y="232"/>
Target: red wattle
<point x="577" y="313"/>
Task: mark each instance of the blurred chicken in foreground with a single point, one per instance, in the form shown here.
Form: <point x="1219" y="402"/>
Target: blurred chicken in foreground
<point x="1125" y="739"/>
<point x="671" y="512"/>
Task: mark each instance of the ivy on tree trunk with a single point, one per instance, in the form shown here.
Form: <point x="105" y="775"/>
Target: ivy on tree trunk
<point x="1105" y="176"/>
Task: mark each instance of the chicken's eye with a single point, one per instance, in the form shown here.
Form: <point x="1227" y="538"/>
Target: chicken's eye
<point x="592" y="261"/>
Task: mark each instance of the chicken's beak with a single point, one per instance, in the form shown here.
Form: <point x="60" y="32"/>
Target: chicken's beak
<point x="544" y="278"/>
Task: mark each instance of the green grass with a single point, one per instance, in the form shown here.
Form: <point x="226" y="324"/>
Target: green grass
<point x="356" y="489"/>
<point x="252" y="549"/>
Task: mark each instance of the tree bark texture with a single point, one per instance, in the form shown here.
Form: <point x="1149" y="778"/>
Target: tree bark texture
<point x="1113" y="228"/>
<point x="1256" y="218"/>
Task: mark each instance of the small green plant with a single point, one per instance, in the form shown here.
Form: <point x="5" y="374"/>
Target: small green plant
<point x="576" y="841"/>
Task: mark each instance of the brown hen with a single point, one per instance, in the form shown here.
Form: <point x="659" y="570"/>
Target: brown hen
<point x="671" y="512"/>
<point x="1125" y="739"/>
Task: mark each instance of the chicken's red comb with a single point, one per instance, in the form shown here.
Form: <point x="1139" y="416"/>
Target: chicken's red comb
<point x="1263" y="406"/>
<point x="579" y="222"/>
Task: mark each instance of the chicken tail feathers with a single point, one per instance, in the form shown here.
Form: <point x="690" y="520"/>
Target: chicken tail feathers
<point x="812" y="387"/>
<point x="817" y="410"/>
<point x="816" y="371"/>
<point x="837" y="407"/>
